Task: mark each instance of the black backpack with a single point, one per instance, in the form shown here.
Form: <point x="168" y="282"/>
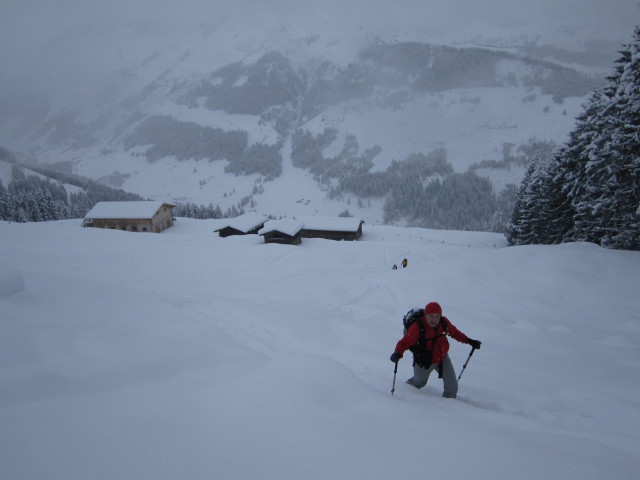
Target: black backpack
<point x="411" y="317"/>
<point x="421" y="354"/>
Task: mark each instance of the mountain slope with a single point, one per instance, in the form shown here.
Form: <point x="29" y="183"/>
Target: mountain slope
<point x="205" y="110"/>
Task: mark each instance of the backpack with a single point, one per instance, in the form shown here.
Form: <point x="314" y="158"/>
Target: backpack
<point x="411" y="317"/>
<point x="421" y="355"/>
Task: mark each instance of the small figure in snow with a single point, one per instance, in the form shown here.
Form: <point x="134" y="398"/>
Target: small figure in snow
<point x="405" y="263"/>
<point x="395" y="267"/>
<point x="427" y="339"/>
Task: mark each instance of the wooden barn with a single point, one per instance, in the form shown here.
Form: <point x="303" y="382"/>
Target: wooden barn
<point x="249" y="223"/>
<point x="282" y="231"/>
<point x="143" y="216"/>
<point x="332" y="228"/>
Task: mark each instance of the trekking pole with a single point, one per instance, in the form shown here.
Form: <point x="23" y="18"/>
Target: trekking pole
<point x="395" y="370"/>
<point x="465" y="363"/>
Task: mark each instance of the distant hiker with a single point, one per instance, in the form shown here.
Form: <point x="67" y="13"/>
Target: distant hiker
<point x="426" y="336"/>
<point x="405" y="263"/>
<point x="395" y="267"/>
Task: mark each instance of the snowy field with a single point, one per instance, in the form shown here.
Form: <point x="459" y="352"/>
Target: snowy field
<point x="182" y="355"/>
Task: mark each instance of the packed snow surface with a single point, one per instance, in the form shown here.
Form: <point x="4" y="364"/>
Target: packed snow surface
<point x="10" y="282"/>
<point x="185" y="355"/>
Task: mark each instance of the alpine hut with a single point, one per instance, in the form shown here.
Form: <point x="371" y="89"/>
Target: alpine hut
<point x="142" y="216"/>
<point x="332" y="228"/>
<point x="248" y="223"/>
<point x="282" y="231"/>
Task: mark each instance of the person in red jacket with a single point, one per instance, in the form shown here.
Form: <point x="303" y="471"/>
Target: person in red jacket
<point x="427" y="339"/>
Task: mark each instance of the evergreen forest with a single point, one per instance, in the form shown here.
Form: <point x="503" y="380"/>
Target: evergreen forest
<point x="42" y="196"/>
<point x="589" y="189"/>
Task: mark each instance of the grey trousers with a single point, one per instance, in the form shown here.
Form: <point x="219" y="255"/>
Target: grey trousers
<point x="421" y="375"/>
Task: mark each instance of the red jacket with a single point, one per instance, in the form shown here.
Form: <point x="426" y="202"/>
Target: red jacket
<point x="441" y="347"/>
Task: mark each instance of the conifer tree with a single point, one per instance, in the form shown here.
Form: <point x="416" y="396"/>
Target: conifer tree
<point x="4" y="203"/>
<point x="591" y="189"/>
<point x="560" y="211"/>
<point x="607" y="201"/>
<point x="530" y="211"/>
<point x="623" y="227"/>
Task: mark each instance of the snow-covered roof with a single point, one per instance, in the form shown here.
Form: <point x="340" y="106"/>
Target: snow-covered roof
<point x="334" y="224"/>
<point x="245" y="222"/>
<point x="141" y="209"/>
<point x="287" y="226"/>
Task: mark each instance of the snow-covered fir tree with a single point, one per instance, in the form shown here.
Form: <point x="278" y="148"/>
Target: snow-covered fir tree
<point x="591" y="189"/>
<point x="530" y="209"/>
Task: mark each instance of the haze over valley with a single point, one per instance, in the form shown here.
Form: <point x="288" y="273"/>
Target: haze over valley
<point x="297" y="108"/>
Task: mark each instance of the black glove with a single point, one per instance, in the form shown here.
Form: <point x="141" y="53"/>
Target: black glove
<point x="474" y="343"/>
<point x="395" y="356"/>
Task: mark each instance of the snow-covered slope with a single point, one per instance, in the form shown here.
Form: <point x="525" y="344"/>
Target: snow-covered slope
<point x="185" y="355"/>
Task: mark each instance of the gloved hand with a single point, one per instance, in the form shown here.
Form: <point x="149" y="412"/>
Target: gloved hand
<point x="395" y="356"/>
<point x="474" y="343"/>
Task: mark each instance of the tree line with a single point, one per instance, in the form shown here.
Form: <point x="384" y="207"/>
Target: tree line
<point x="169" y="137"/>
<point x="589" y="190"/>
<point x="421" y="189"/>
<point x="36" y="198"/>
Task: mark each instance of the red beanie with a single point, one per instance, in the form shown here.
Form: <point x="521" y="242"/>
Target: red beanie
<point x="433" y="307"/>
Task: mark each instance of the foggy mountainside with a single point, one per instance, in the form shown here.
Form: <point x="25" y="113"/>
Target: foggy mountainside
<point x="421" y="114"/>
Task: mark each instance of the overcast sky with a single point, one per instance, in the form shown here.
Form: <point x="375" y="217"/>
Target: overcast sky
<point x="73" y="46"/>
